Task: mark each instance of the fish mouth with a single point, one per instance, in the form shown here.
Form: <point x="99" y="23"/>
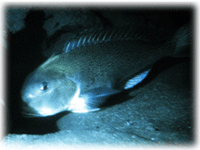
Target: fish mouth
<point x="29" y="112"/>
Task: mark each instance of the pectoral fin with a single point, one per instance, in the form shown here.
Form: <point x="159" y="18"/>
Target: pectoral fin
<point x="91" y="100"/>
<point x="98" y="96"/>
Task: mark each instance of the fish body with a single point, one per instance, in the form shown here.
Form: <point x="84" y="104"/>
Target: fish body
<point x="94" y="66"/>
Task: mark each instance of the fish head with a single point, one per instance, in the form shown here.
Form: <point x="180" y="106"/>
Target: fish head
<point x="48" y="93"/>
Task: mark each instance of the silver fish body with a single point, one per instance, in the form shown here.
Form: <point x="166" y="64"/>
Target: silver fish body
<point x="93" y="67"/>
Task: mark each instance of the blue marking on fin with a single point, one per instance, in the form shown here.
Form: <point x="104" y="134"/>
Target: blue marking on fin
<point x="84" y="40"/>
<point x="94" y="36"/>
<point x="97" y="36"/>
<point x="79" y="41"/>
<point x="137" y="79"/>
<point x="71" y="45"/>
<point x="67" y="47"/>
<point x="89" y="39"/>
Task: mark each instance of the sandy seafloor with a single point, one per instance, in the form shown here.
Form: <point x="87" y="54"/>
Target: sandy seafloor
<point x="158" y="112"/>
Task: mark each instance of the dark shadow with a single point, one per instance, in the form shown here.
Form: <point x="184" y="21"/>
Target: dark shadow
<point x="23" y="56"/>
<point x="160" y="66"/>
<point x="38" y="125"/>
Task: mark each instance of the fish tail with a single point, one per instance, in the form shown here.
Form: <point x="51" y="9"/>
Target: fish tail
<point x="183" y="40"/>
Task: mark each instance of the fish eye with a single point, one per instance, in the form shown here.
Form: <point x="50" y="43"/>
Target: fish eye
<point x="44" y="86"/>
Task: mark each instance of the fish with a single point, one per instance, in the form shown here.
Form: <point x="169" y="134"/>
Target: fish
<point x="89" y="67"/>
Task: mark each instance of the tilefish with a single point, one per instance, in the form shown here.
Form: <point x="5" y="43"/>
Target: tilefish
<point x="96" y="63"/>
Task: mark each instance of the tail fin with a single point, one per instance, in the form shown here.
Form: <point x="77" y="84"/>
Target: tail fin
<point x="183" y="40"/>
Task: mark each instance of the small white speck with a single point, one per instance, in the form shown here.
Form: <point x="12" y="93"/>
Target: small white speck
<point x="134" y="136"/>
<point x="30" y="95"/>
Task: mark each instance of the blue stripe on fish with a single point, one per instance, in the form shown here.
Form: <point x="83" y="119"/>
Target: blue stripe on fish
<point x="137" y="79"/>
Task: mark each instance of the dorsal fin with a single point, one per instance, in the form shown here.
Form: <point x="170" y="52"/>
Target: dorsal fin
<point x="94" y="36"/>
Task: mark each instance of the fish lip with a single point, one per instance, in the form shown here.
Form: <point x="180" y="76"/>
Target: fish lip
<point x="25" y="99"/>
<point x="29" y="111"/>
